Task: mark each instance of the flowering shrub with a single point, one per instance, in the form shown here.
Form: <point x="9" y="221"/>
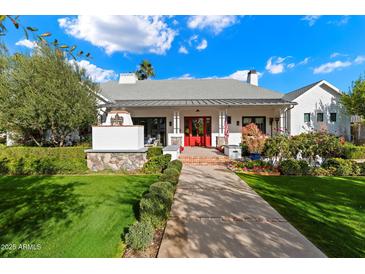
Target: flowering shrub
<point x="253" y="138"/>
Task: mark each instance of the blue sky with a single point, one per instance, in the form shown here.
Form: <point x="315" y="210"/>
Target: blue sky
<point x="287" y="51"/>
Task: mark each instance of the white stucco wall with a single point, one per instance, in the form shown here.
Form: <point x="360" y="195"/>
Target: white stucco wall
<point x="117" y="138"/>
<point x="236" y="114"/>
<point x="319" y="99"/>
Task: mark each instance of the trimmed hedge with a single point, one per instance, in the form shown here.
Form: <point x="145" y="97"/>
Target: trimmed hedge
<point x="163" y="191"/>
<point x="157" y="164"/>
<point x="140" y="235"/>
<point x="153" y="152"/>
<point x="170" y="175"/>
<point x="154" y="210"/>
<point x="351" y="151"/>
<point x="42" y="160"/>
<point x="175" y="164"/>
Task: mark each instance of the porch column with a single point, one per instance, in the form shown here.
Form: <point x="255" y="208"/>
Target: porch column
<point x="176" y="122"/>
<point x="282" y="121"/>
<point x="221" y="122"/>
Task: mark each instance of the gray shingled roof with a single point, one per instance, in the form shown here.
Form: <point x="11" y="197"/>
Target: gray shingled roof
<point x="188" y="89"/>
<point x="200" y="102"/>
<point x="290" y="96"/>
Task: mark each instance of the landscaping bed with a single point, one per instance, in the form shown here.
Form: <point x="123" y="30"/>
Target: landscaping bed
<point x="329" y="211"/>
<point x="68" y="216"/>
<point x="144" y="236"/>
<point x="258" y="167"/>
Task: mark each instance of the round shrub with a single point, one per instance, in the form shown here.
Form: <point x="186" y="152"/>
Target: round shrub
<point x="153" y="152"/>
<point x="170" y="175"/>
<point x="153" y="210"/>
<point x="140" y="235"/>
<point x="163" y="191"/>
<point x="340" y="166"/>
<point x="289" y="167"/>
<point x="157" y="164"/>
<point x="175" y="164"/>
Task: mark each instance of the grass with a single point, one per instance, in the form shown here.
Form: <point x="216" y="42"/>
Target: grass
<point x="329" y="211"/>
<point x="68" y="216"/>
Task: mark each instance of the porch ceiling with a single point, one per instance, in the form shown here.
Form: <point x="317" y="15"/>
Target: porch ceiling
<point x="200" y="102"/>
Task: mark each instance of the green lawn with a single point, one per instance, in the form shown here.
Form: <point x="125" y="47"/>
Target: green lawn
<point x="69" y="216"/>
<point x="329" y="211"/>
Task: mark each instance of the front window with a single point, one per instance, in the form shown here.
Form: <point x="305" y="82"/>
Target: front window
<point x="307" y="117"/>
<point x="154" y="129"/>
<point x="333" y="117"/>
<point x="319" y="117"/>
<point x="259" y="121"/>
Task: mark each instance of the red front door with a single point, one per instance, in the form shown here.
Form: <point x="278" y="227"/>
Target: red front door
<point x="197" y="131"/>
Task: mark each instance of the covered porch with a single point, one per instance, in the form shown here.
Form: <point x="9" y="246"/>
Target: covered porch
<point x="207" y="126"/>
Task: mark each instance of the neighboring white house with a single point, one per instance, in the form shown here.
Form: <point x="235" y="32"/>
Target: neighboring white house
<point x="318" y="108"/>
<point x="208" y="112"/>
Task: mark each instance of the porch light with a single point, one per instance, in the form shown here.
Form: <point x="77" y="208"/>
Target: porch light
<point x="237" y="123"/>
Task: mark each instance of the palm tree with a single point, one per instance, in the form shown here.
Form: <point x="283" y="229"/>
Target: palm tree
<point x="145" y="70"/>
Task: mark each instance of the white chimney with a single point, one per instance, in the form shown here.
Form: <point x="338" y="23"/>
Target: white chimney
<point x="252" y="78"/>
<point x="128" y="78"/>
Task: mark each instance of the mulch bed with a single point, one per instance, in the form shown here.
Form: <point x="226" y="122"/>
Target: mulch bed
<point x="151" y="251"/>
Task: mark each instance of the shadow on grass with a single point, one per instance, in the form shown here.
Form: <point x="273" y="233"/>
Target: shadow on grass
<point x="27" y="203"/>
<point x="330" y="211"/>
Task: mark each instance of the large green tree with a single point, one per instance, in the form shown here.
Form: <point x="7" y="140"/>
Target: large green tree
<point x="145" y="70"/>
<point x="43" y="97"/>
<point x="354" y="101"/>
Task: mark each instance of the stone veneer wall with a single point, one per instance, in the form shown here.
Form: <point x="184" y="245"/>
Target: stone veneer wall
<point x="127" y="161"/>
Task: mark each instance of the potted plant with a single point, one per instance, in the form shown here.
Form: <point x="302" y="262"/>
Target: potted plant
<point x="254" y="139"/>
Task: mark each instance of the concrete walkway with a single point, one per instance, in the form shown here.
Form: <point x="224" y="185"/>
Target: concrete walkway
<point x="216" y="214"/>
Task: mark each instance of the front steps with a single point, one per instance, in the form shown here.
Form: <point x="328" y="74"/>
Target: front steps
<point x="204" y="161"/>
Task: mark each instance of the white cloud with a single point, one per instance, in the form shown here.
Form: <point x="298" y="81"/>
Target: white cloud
<point x="240" y="75"/>
<point x="216" y="23"/>
<point x="136" y="34"/>
<point x="183" y="50"/>
<point x="331" y="66"/>
<point x="26" y="43"/>
<point x="342" y="21"/>
<point x="276" y="65"/>
<point x="291" y="65"/>
<point x="193" y="39"/>
<point x="97" y="74"/>
<point x="304" y="61"/>
<point x="337" y="54"/>
<point x="183" y="77"/>
<point x="203" y="45"/>
<point x="311" y="19"/>
<point x="359" y="60"/>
